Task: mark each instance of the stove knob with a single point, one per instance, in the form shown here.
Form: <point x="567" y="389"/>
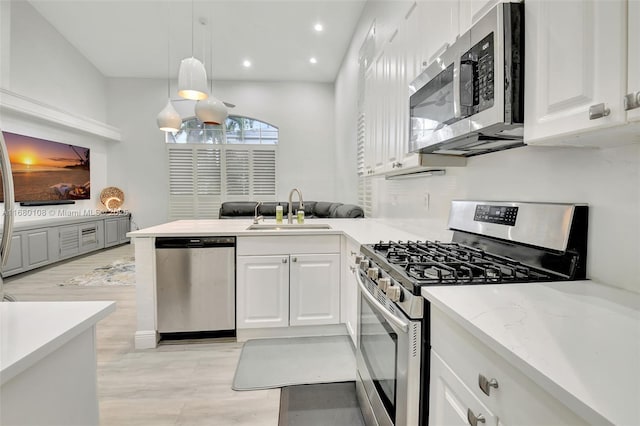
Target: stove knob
<point x="394" y="293"/>
<point x="358" y="260"/>
<point x="384" y="283"/>
<point x="373" y="273"/>
<point x="364" y="265"/>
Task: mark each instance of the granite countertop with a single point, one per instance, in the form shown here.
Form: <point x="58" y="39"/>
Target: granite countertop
<point x="30" y="331"/>
<point x="579" y="340"/>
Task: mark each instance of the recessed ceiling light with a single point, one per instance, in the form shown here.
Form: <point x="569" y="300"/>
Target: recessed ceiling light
<point x="246" y="63"/>
<point x="318" y="27"/>
<point x="313" y="60"/>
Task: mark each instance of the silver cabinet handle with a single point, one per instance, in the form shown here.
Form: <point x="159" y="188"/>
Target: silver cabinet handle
<point x="473" y="419"/>
<point x="284" y="260"/>
<point x="353" y="253"/>
<point x="295" y="259"/>
<point x="631" y="101"/>
<point x="486" y="384"/>
<point x="396" y="164"/>
<point x="598" y="111"/>
<point x="352" y="268"/>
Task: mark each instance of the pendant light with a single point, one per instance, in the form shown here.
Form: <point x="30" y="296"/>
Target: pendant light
<point x="211" y="110"/>
<point x="168" y="119"/>
<point x="192" y="77"/>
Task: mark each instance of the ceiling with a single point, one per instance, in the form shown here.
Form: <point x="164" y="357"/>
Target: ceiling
<point x="148" y="38"/>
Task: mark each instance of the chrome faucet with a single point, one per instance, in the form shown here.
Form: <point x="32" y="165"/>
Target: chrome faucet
<point x="256" y="218"/>
<point x="300" y="204"/>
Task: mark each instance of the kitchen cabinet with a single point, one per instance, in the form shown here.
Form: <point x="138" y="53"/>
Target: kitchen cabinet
<point x="314" y="289"/>
<point x="40" y="247"/>
<point x="422" y="33"/>
<point x="288" y="281"/>
<point x="78" y="239"/>
<point x="451" y="402"/>
<point x="470" y="11"/>
<point x="578" y="56"/>
<point x="462" y="365"/>
<point x="263" y="291"/>
<point x="15" y="262"/>
<point x="115" y="230"/>
<point x="349" y="289"/>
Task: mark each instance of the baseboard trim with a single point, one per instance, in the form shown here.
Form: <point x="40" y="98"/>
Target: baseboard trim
<point x="242" y="335"/>
<point x="146" y="339"/>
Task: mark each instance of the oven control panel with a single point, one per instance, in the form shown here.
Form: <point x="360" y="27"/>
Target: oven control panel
<point x="502" y="215"/>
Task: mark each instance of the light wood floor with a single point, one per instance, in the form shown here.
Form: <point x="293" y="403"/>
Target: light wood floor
<point x="186" y="384"/>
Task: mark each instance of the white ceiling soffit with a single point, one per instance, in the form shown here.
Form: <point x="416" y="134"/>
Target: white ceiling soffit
<point x="129" y="38"/>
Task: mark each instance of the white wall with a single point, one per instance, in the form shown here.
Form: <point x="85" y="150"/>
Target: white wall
<point x="608" y="180"/>
<point x="303" y="112"/>
<point x="46" y="67"/>
<point x="39" y="63"/>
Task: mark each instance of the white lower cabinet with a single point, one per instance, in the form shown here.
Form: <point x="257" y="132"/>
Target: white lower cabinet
<point x="295" y="288"/>
<point x="263" y="291"/>
<point x="462" y="365"/>
<point x="451" y="401"/>
<point x="349" y="289"/>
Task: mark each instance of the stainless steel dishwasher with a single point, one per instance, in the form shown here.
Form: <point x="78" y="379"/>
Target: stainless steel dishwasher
<point x="195" y="284"/>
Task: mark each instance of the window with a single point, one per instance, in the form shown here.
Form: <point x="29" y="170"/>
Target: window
<point x="212" y="164"/>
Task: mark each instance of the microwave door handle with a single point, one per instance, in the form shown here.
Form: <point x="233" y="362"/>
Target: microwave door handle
<point x="402" y="325"/>
<point x="7" y="186"/>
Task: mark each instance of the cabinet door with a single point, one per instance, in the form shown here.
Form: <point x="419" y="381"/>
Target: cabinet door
<point x="69" y="240"/>
<point x="315" y="289"/>
<point x="349" y="290"/>
<point x="15" y="262"/>
<point x="451" y="402"/>
<point x="575" y="59"/>
<point x="262" y="291"/>
<point x="472" y="10"/>
<point x="88" y="236"/>
<point x="124" y="226"/>
<point x="633" y="85"/>
<point x="111" y="232"/>
<point x="37" y="247"/>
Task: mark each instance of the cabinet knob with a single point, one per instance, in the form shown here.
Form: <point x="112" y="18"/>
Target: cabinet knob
<point x="631" y="101"/>
<point x="352" y="268"/>
<point x="486" y="384"/>
<point x="294" y="259"/>
<point x="353" y="253"/>
<point x="598" y="111"/>
<point x="284" y="260"/>
<point x="473" y="419"/>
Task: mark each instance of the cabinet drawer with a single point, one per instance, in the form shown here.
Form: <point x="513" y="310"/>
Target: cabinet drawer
<point x="517" y="400"/>
<point x="288" y="244"/>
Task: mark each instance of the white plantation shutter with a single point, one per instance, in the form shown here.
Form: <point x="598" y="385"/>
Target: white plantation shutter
<point x="237" y="168"/>
<point x="202" y="176"/>
<point x="264" y="172"/>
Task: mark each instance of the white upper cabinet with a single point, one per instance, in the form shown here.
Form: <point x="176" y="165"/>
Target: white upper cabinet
<point x="575" y="69"/>
<point x="633" y="85"/>
<point x="472" y="10"/>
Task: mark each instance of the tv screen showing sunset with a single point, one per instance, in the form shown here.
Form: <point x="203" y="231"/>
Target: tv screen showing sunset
<point x="44" y="170"/>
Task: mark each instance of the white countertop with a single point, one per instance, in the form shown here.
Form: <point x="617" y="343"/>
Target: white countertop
<point x="29" y="331"/>
<point x="578" y="340"/>
<point x="362" y="231"/>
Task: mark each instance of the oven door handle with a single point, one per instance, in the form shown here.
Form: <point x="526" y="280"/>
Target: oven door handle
<point x="402" y="325"/>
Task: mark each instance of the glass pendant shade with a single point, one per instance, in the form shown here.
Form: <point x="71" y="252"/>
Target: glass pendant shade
<point x="211" y="111"/>
<point x="192" y="79"/>
<point x="168" y="119"/>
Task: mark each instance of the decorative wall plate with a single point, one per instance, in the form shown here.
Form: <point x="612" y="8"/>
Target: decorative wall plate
<point x="112" y="198"/>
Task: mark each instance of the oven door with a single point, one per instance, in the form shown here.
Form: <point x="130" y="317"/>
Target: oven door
<point x="388" y="360"/>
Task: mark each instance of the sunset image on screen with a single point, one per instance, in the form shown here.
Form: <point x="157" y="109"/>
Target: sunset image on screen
<point x="45" y="170"/>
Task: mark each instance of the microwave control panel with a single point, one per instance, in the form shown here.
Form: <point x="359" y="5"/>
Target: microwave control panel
<point x="502" y="215"/>
<point x="477" y="86"/>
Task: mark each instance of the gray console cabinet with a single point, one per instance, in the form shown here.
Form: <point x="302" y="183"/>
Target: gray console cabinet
<point x="34" y="245"/>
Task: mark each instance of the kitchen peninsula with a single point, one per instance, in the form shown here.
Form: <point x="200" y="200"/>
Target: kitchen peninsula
<point x="524" y="329"/>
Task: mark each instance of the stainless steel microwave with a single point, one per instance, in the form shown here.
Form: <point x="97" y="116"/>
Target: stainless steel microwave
<point x="470" y="99"/>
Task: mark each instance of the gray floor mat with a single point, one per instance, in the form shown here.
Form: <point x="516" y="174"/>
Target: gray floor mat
<point x="274" y="363"/>
<point x="326" y="404"/>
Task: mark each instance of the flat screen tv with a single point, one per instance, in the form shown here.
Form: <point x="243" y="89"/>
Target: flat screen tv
<point x="47" y="171"/>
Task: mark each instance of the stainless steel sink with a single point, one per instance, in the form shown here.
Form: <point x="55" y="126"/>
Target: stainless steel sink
<point x="286" y="226"/>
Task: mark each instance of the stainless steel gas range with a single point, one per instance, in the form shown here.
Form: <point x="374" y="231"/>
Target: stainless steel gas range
<point x="493" y="243"/>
